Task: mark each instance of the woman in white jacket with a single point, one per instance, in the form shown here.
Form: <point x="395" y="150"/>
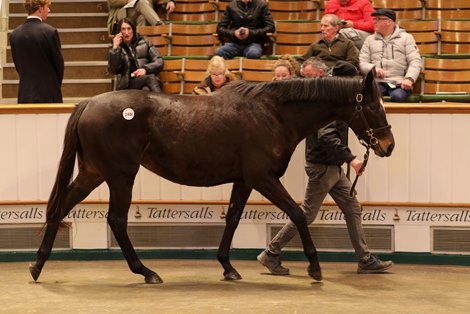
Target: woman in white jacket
<point x="394" y="54"/>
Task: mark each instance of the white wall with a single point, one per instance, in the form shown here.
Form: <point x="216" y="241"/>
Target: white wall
<point x="430" y="165"/>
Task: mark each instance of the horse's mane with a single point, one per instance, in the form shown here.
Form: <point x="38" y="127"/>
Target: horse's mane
<point x="327" y="88"/>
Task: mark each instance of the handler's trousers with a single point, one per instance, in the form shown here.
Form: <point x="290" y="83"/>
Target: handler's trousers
<point x="324" y="179"/>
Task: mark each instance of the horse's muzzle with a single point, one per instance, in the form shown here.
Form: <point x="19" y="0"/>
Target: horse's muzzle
<point x="384" y="148"/>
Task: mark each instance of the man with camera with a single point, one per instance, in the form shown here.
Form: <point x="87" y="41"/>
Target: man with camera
<point x="243" y="28"/>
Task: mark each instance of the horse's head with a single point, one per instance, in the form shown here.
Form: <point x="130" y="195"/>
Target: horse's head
<point x="369" y="121"/>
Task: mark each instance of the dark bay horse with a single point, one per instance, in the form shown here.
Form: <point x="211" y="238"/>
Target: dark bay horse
<point x="245" y="133"/>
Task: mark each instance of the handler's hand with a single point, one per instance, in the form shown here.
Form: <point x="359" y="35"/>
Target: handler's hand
<point x="356" y="164"/>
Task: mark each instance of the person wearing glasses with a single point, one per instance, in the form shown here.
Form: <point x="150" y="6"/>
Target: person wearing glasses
<point x="218" y="75"/>
<point x="394" y="54"/>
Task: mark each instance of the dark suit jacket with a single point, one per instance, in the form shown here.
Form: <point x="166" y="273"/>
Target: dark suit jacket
<point x="37" y="55"/>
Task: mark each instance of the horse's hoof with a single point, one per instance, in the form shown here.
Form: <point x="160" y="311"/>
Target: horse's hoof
<point x="153" y="279"/>
<point x="315" y="273"/>
<point x="35" y="272"/>
<point x="233" y="275"/>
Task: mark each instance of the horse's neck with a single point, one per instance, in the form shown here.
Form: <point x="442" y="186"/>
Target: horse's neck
<point x="311" y="117"/>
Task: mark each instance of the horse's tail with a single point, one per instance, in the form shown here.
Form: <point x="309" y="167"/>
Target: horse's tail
<point x="66" y="166"/>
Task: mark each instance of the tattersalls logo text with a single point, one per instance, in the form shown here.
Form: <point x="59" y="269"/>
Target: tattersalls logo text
<point x="170" y="213"/>
<point x="414" y="215"/>
<point x="21" y="214"/>
<point x="336" y="215"/>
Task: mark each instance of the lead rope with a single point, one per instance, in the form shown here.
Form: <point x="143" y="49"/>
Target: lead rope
<point x="363" y="167"/>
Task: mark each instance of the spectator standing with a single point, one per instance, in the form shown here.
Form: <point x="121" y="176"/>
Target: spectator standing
<point x="332" y="46"/>
<point x="325" y="153"/>
<point x="218" y="75"/>
<point x="356" y="18"/>
<point x="36" y="52"/>
<point x="135" y="60"/>
<point x="394" y="54"/>
<point x="243" y="27"/>
<point x="141" y="12"/>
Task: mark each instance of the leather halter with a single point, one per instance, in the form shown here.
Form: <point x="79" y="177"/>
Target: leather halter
<point x="367" y="138"/>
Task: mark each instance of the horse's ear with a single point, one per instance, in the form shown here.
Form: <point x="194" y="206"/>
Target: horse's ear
<point x="370" y="77"/>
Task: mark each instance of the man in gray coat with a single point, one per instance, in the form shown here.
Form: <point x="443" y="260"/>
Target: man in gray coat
<point x="394" y="54"/>
<point x="36" y="51"/>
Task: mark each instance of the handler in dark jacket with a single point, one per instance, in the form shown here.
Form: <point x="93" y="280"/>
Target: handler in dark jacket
<point x="135" y="60"/>
<point x="36" y="52"/>
<point x="244" y="26"/>
<point x="325" y="153"/>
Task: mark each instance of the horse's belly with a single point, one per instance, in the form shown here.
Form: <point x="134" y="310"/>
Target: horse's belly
<point x="194" y="172"/>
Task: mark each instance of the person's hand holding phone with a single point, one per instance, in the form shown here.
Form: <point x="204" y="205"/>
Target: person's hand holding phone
<point x="242" y="33"/>
<point x="117" y="40"/>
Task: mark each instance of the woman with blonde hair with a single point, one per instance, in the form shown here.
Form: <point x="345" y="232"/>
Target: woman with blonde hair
<point x="285" y="68"/>
<point x="218" y="75"/>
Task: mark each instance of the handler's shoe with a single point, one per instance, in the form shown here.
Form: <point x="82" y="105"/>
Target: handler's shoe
<point x="273" y="263"/>
<point x="372" y="264"/>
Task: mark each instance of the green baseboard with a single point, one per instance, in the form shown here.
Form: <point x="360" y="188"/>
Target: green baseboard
<point x="237" y="254"/>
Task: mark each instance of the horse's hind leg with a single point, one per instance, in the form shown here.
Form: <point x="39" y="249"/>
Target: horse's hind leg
<point x="77" y="191"/>
<point x="120" y="200"/>
<point x="277" y="194"/>
<point x="240" y="194"/>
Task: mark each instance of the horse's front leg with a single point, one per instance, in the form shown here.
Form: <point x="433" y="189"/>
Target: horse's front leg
<point x="120" y="200"/>
<point x="274" y="191"/>
<point x="240" y="194"/>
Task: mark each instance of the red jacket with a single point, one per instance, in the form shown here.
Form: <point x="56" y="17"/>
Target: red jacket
<point x="357" y="11"/>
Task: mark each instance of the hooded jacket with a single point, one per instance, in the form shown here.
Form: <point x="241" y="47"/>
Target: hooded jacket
<point x="126" y="59"/>
<point x="399" y="56"/>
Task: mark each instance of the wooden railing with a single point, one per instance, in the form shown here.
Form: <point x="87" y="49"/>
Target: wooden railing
<point x="437" y="107"/>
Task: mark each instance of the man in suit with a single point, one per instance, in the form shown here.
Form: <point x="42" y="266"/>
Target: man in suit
<point x="37" y="55"/>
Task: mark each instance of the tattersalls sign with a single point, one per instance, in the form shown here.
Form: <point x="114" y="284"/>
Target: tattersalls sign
<point x="253" y="214"/>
